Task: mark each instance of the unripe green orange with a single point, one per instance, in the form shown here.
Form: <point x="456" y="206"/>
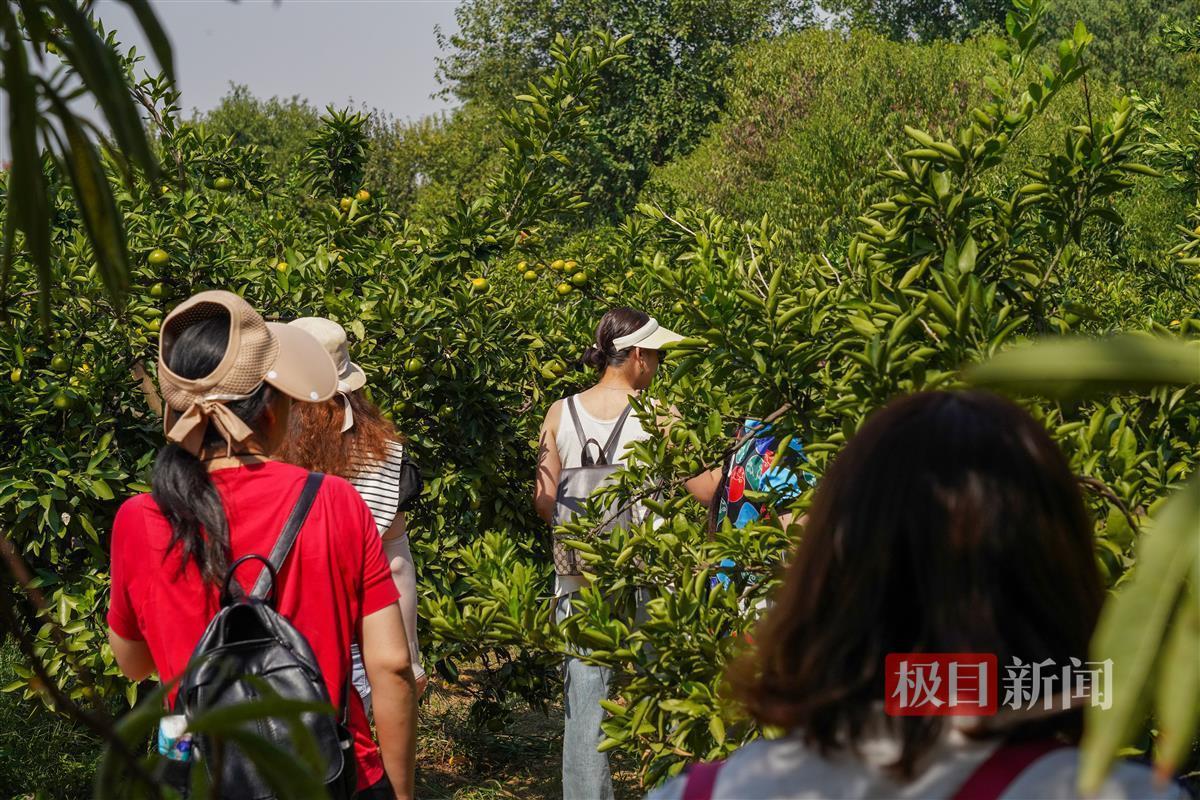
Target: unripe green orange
<point x="563" y="289"/>
<point x="579" y="278"/>
<point x="223" y="184"/>
<point x="530" y="275"/>
<point x="479" y="284"/>
<point x="158" y="257"/>
<point x="345" y="204"/>
<point x="414" y="365"/>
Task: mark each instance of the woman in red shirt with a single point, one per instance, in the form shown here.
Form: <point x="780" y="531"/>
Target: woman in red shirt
<point x="228" y="379"/>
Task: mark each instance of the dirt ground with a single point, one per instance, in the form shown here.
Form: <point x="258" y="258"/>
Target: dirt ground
<point x="454" y="761"/>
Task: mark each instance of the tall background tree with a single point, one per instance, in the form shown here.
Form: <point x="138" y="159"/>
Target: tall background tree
<point x="922" y="20"/>
<point x="654" y="106"/>
<point x="1011" y="200"/>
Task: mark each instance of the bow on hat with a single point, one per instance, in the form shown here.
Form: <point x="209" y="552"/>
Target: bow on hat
<point x="188" y="430"/>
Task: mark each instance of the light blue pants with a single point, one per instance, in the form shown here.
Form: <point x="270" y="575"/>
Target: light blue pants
<point x="585" y="772"/>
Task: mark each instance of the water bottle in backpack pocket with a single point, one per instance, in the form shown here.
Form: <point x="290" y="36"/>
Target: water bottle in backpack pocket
<point x="576" y="485"/>
<point x="249" y="651"/>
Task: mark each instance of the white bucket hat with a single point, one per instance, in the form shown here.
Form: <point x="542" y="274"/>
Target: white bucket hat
<point x="333" y="338"/>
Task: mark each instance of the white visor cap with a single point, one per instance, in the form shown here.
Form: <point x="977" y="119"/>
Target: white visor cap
<point x="650" y="336"/>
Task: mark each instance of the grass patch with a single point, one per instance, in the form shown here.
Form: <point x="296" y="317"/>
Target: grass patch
<point x="41" y="754"/>
<point x="455" y="761"/>
<point x="45" y="756"/>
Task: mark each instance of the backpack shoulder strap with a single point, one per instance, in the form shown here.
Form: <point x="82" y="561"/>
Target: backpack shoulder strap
<point x="585" y="459"/>
<point x="991" y="778"/>
<point x="287" y="538"/>
<point x="610" y="446"/>
<point x="700" y="780"/>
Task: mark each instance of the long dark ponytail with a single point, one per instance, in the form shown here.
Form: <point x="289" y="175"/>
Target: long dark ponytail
<point x="181" y="485"/>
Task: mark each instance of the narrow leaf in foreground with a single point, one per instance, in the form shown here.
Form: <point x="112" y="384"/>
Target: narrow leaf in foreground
<point x="1076" y="366"/>
<point x="1132" y="628"/>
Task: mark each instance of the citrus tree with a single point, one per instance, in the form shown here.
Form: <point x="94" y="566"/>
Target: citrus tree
<point x="80" y="406"/>
<point x="72" y="58"/>
<point x="970" y="245"/>
<point x="970" y="240"/>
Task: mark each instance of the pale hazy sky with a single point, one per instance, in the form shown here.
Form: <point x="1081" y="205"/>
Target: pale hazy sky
<point x="374" y="52"/>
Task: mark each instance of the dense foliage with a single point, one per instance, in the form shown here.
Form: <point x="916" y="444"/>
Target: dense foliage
<point x="651" y="107"/>
<point x="923" y="20"/>
<point x="895" y="212"/>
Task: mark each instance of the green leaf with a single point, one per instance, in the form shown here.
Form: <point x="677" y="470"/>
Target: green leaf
<point x="100" y="69"/>
<point x="95" y="200"/>
<point x="219" y="720"/>
<point x="912" y="274"/>
<point x="1075" y="366"/>
<point x="159" y="43"/>
<point x="1177" y="701"/>
<point x="920" y="137"/>
<point x="967" y="254"/>
<point x="26" y="194"/>
<point x="1140" y="169"/>
<point x="1132" y="628"/>
<point x="716" y="726"/>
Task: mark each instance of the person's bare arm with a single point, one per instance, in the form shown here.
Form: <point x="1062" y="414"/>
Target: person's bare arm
<point x="703" y="487"/>
<point x="545" y="492"/>
<point x="788" y="518"/>
<point x="133" y="657"/>
<point x="398" y="528"/>
<point x="389" y="669"/>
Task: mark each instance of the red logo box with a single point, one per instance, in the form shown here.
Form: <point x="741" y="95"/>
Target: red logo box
<point x="941" y="684"/>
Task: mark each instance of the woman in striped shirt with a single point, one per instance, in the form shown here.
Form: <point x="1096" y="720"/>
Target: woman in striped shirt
<point x="348" y="436"/>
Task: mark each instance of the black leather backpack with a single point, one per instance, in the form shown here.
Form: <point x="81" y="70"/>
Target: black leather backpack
<point x="248" y="638"/>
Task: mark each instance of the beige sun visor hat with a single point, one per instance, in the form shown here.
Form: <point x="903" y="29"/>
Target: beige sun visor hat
<point x="650" y="336"/>
<point x="287" y="358"/>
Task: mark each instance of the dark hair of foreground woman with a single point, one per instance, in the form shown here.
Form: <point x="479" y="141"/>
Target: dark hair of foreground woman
<point x="950" y="522"/>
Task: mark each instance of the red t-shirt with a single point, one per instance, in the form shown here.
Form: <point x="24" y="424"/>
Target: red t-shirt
<point x="335" y="575"/>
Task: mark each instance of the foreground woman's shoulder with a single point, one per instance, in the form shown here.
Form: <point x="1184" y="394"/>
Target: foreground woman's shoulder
<point x="754" y="755"/>
<point x="785" y="769"/>
<point x="133" y="511"/>
<point x="1055" y="775"/>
